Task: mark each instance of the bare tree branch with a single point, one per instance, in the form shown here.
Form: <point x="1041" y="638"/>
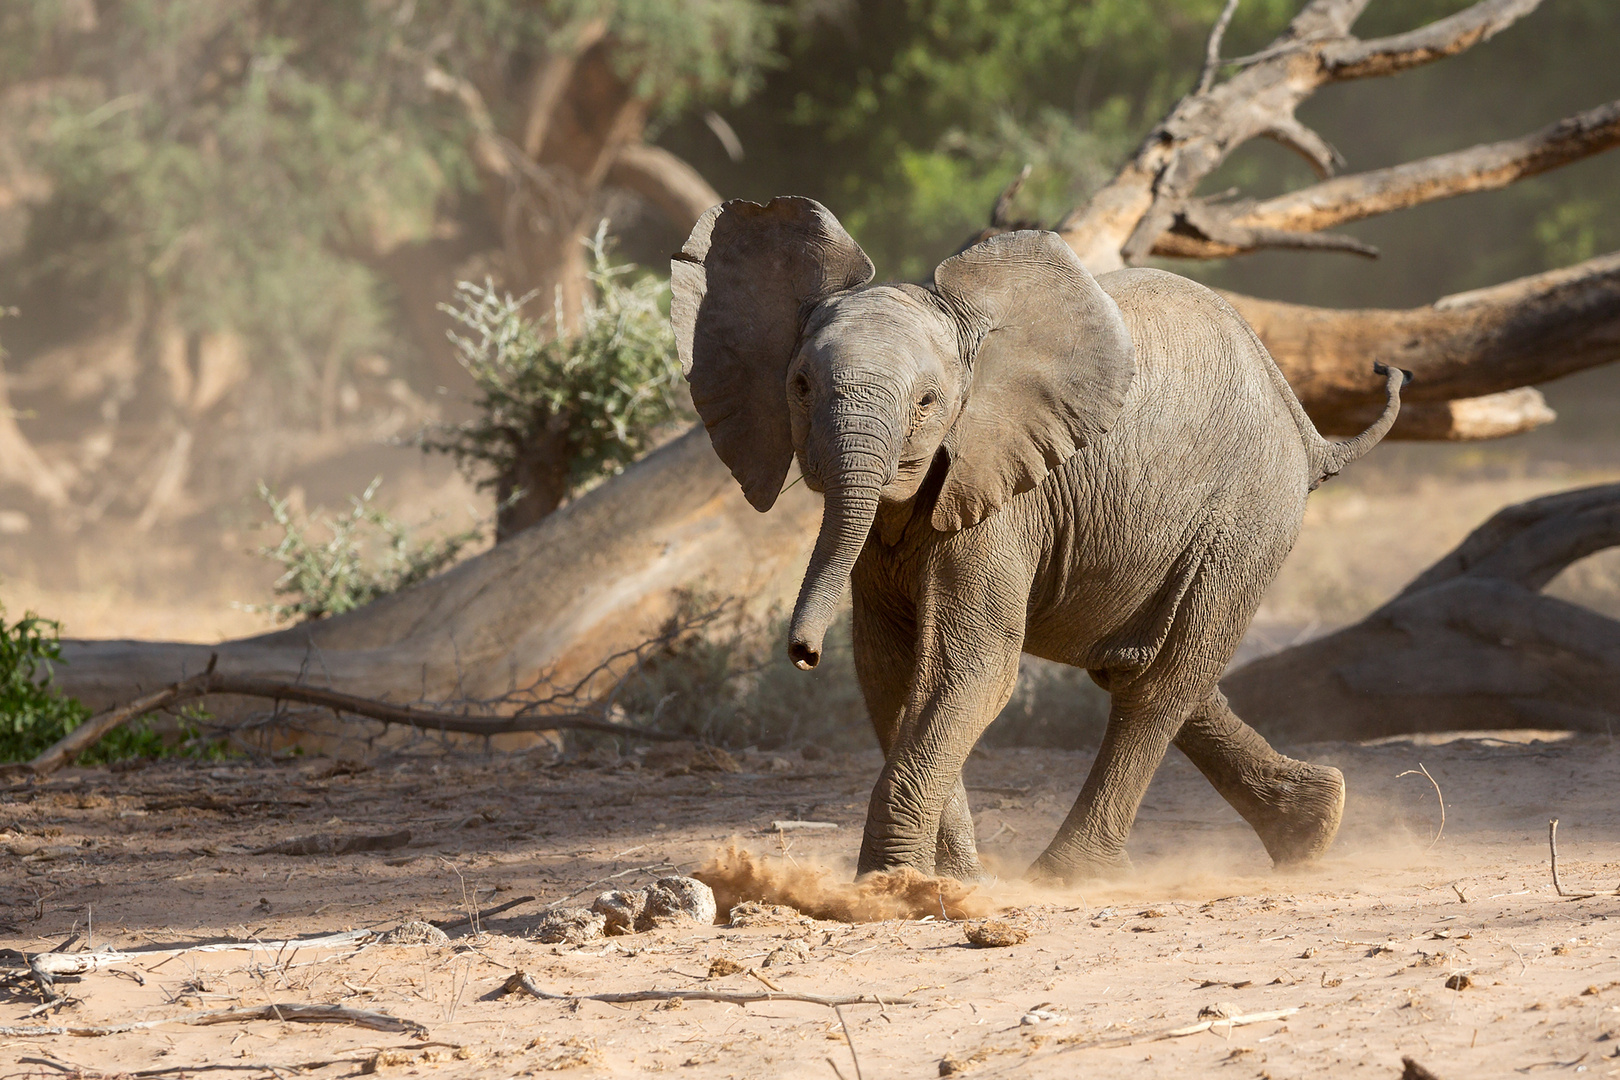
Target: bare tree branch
<point x="1355" y="59"/>
<point x="81" y="738"/>
<point x="1209" y="231"/>
<point x="1212" y="50"/>
<point x="1125" y="221"/>
<point x="674" y="187"/>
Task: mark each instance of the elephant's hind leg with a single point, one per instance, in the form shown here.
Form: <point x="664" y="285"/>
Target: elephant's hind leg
<point x="1294" y="806"/>
<point x="1091" y="841"/>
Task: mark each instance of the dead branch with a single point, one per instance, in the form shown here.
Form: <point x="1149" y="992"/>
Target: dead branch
<point x="1212" y="49"/>
<point x="60" y="964"/>
<point x="285" y="1012"/>
<point x="1552" y="852"/>
<point x="210" y="682"/>
<point x="524" y="982"/>
<point x="1124" y="221"/>
<point x="1205" y="230"/>
<point x="450" y="924"/>
<point x="1420" y="770"/>
<point x="678" y="191"/>
<point x="1471" y="643"/>
<point x="1227" y="1022"/>
<point x="1353" y="59"/>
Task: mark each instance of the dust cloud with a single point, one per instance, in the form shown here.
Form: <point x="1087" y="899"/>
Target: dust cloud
<point x="737" y="875"/>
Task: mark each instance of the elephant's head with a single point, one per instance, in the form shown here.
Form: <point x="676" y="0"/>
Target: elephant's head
<point x="1012" y="360"/>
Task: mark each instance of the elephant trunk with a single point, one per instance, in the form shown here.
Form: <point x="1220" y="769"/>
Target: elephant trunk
<point x="846" y="521"/>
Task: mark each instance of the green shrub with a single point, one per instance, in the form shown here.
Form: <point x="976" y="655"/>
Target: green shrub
<point x="559" y="412"/>
<point x="33" y="716"/>
<point x="366" y="554"/>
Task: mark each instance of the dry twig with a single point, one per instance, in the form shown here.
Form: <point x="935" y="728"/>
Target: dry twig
<point x="299" y="1013"/>
<point x="1552" y="850"/>
<point x="522" y="981"/>
<point x="1437" y="795"/>
<point x="1190" y="1029"/>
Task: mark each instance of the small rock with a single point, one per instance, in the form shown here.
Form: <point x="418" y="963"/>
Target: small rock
<point x="754" y="913"/>
<point x="620" y="908"/>
<point x="1459" y="981"/>
<point x="568" y="926"/>
<point x="994" y="934"/>
<point x="416" y="932"/>
<point x="387" y="1059"/>
<point x="721" y="966"/>
<point x="1044" y="1013"/>
<point x="953" y="1065"/>
<point x="677" y="901"/>
<point x="789" y="952"/>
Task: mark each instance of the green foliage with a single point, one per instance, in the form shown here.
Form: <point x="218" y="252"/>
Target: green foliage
<point x="33" y="716"/>
<point x="365" y="554"/>
<point x="243" y="165"/>
<point x="606" y="388"/>
<point x="908" y="117"/>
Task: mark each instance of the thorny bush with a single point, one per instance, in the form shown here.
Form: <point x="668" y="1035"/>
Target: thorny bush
<point x="365" y="554"/>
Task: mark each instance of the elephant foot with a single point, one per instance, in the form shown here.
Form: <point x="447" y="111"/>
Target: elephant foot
<point x="1297" y="810"/>
<point x="1055" y="869"/>
<point x="965" y="869"/>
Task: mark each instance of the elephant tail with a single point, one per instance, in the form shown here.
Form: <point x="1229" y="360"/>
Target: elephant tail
<point x="1327" y="458"/>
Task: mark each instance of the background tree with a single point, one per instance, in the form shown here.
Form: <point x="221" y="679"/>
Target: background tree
<point x="200" y="194"/>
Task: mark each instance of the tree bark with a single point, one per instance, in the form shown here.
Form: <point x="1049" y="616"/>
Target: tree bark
<point x="1487" y="342"/>
<point x="1470" y="644"/>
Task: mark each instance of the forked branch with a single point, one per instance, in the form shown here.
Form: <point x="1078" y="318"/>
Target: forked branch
<point x="1125" y="221"/>
<point x="1216" y="231"/>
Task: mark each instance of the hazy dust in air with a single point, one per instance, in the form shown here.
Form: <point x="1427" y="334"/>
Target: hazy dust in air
<point x="737" y="875"/>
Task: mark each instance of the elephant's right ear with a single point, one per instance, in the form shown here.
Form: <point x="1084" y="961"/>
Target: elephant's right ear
<point x="739" y="288"/>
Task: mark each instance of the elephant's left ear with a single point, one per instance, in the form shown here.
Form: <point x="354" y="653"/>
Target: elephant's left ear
<point x="1051" y="361"/>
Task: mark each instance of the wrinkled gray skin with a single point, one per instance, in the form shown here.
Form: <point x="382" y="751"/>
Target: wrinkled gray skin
<point x="1018" y="458"/>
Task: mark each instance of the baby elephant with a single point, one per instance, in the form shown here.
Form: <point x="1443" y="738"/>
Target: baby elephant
<point x="1019" y="457"/>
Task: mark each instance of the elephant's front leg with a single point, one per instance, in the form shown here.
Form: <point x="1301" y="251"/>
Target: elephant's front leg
<point x="886" y="665"/>
<point x="966" y="666"/>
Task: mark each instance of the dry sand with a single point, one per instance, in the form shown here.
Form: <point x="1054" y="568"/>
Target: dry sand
<point x="1361" y="946"/>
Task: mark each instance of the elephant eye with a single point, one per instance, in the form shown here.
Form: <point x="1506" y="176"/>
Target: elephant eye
<point x="928" y="399"/>
<point x="801" y="385"/>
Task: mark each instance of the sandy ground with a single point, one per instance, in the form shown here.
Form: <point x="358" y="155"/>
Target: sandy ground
<point x="1361" y="946"/>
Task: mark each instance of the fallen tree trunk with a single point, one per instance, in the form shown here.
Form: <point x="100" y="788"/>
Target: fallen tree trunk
<point x="1470" y="644"/>
<point x="597" y="577"/>
<point x="1490" y="341"/>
